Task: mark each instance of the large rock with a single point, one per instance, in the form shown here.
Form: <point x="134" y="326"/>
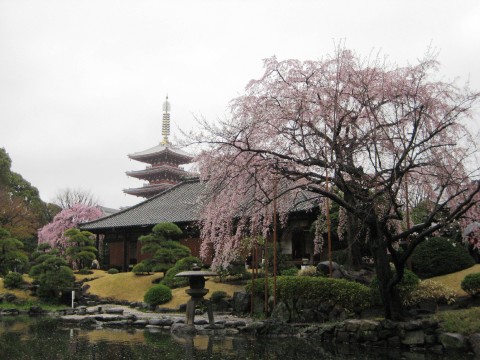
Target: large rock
<point x="452" y="341"/>
<point x="474" y="341"/>
<point x="280" y="313"/>
<point x="182" y="329"/>
<point x="161" y="322"/>
<point x="241" y="302"/>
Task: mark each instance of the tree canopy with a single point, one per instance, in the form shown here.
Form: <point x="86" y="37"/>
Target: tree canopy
<point x="22" y="211"/>
<point x="164" y="248"/>
<point x="54" y="232"/>
<point x="359" y="132"/>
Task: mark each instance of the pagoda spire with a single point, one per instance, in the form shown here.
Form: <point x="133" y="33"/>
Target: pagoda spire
<point x="166" y="122"/>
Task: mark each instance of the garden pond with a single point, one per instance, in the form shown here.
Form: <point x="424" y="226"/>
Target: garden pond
<point x="49" y="338"/>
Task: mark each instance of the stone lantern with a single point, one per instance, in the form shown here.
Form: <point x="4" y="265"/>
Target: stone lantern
<point x="196" y="281"/>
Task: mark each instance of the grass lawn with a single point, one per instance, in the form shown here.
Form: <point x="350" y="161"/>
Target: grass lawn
<point x="21" y="294"/>
<point x="131" y="287"/>
<point x="454" y="280"/>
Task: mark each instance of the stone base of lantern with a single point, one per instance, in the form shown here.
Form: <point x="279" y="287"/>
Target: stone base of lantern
<point x="196" y="296"/>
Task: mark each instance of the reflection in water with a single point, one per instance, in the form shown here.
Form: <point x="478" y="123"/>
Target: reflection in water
<point x="46" y="338"/>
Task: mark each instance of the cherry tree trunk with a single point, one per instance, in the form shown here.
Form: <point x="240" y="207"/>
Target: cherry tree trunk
<point x="391" y="301"/>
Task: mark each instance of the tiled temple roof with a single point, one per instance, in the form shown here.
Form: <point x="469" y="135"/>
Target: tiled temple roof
<point x="178" y="204"/>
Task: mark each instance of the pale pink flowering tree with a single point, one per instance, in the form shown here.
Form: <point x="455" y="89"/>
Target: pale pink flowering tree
<point x="374" y="128"/>
<point x="54" y="233"/>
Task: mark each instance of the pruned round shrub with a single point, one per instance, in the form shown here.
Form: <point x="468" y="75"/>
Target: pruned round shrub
<point x="471" y="284"/>
<point x="405" y="287"/>
<point x="157" y="295"/>
<point x="218" y="296"/>
<point x="293" y="271"/>
<point x="13" y="280"/>
<point x="181" y="265"/>
<point x="85" y="271"/>
<point x="350" y="295"/>
<point x="113" y="271"/>
<point x="431" y="291"/>
<point x="439" y="256"/>
<point x="141" y="269"/>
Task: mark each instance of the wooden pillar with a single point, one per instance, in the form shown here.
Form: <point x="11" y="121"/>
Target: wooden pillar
<point x="125" y="252"/>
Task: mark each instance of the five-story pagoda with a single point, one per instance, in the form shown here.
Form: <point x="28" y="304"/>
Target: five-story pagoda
<point x="164" y="162"/>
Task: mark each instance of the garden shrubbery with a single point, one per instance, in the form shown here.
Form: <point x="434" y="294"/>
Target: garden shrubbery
<point x="309" y="271"/>
<point x="141" y="269"/>
<point x="439" y="256"/>
<point x="405" y="287"/>
<point x="218" y="296"/>
<point x="13" y="280"/>
<point x="431" y="291"/>
<point x="471" y="284"/>
<point x="113" y="271"/>
<point x="293" y="271"/>
<point x="184" y="264"/>
<point x="349" y="295"/>
<point x="157" y="295"/>
<point x="234" y="272"/>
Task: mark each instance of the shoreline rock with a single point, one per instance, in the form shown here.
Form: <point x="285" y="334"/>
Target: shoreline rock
<point x="414" y="335"/>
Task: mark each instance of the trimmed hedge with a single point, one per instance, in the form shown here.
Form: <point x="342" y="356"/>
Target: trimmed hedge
<point x="439" y="256"/>
<point x="113" y="271"/>
<point x="157" y="295"/>
<point x="471" y="284"/>
<point x="349" y="295"/>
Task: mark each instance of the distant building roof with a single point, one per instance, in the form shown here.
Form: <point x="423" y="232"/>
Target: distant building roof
<point x="108" y="211"/>
<point x="179" y="203"/>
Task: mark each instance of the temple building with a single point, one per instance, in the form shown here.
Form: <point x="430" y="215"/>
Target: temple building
<point x="164" y="160"/>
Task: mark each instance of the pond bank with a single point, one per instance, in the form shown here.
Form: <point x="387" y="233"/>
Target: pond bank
<point x="422" y="335"/>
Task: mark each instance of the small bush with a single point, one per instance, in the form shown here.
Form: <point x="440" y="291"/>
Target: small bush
<point x="471" y="284"/>
<point x="113" y="271"/>
<point x="234" y="272"/>
<point x="218" y="296"/>
<point x="141" y="269"/>
<point x="85" y="271"/>
<point x="406" y="286"/>
<point x="157" y="295"/>
<point x="289" y="272"/>
<point x="13" y="280"/>
<point x="181" y="265"/>
<point x="429" y="290"/>
<point x="439" y="256"/>
<point x="309" y="271"/>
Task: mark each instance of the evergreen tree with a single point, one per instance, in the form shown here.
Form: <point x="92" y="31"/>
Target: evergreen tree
<point x="12" y="257"/>
<point x="163" y="246"/>
<point x="82" y="249"/>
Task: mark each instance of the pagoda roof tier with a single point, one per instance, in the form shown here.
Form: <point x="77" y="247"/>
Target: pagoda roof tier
<point x="156" y="170"/>
<point x="162" y="150"/>
<point x="149" y="190"/>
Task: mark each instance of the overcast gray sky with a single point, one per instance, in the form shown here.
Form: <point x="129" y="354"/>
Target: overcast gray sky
<point x="82" y="82"/>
